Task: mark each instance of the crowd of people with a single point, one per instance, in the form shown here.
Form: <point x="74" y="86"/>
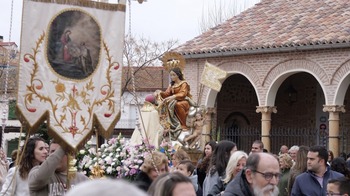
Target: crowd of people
<point x="222" y="170"/>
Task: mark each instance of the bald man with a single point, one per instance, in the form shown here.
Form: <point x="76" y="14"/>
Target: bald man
<point x="260" y="177"/>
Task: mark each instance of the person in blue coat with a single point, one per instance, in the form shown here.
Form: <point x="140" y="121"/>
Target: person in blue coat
<point x="314" y="180"/>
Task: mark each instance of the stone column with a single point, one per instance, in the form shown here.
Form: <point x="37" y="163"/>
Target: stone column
<point x="206" y="132"/>
<point x="266" y="124"/>
<point x="333" y="142"/>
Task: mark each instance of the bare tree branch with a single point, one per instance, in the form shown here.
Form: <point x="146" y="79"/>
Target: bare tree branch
<point x="141" y="53"/>
<point x="220" y="10"/>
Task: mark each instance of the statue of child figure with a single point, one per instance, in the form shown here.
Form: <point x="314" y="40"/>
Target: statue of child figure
<point x="197" y="131"/>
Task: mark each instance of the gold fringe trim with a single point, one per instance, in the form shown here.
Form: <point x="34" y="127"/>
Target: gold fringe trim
<point x="90" y="4"/>
<point x="58" y="138"/>
<point x="72" y="170"/>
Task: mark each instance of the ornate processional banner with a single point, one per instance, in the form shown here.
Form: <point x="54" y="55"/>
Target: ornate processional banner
<point x="70" y="68"/>
<point x="211" y="76"/>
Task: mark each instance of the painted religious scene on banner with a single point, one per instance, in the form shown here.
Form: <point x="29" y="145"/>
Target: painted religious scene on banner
<point x="74" y="44"/>
<point x="70" y="68"/>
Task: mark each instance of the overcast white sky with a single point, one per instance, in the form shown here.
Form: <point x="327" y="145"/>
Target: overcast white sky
<point x="158" y="20"/>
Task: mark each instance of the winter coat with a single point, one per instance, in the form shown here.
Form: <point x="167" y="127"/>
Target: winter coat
<point x="307" y="183"/>
<point x="239" y="186"/>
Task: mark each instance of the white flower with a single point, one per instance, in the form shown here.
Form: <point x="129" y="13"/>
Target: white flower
<point x="109" y="170"/>
<point x="87" y="165"/>
<point x="89" y="143"/>
<point x="108" y="160"/>
<point x="101" y="162"/>
<point x="92" y="151"/>
<point x="82" y="151"/>
<point x="105" y="145"/>
<point x="126" y="168"/>
<point x="118" y="168"/>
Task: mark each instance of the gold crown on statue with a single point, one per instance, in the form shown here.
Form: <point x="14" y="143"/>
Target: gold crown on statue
<point x="173" y="59"/>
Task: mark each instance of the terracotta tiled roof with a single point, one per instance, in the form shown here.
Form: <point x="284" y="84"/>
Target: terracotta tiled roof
<point x="277" y="24"/>
<point x="7" y="43"/>
<point x="147" y="78"/>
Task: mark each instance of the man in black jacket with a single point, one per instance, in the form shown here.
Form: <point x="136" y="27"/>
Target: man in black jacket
<point x="260" y="177"/>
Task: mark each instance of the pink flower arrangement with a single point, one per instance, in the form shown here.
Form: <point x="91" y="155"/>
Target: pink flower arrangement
<point x="118" y="158"/>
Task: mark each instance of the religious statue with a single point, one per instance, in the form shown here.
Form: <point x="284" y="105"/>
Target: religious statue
<point x="170" y="109"/>
<point x="196" y="135"/>
<point x="175" y="103"/>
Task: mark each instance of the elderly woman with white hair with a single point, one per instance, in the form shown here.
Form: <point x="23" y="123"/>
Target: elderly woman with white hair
<point x="293" y="152"/>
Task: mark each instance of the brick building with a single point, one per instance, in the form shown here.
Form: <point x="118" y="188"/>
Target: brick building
<point x="288" y="65"/>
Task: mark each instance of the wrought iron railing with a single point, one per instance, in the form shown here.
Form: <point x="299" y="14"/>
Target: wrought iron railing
<point x="244" y="137"/>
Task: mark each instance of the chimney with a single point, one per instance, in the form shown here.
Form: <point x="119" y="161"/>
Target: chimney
<point x="1" y="38"/>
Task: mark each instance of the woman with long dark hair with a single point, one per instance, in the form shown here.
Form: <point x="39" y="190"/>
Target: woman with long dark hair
<point x="218" y="164"/>
<point x="339" y="164"/>
<point x="204" y="162"/>
<point x="34" y="153"/>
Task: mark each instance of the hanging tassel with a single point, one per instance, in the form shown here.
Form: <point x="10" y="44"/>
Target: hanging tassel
<point x="97" y="172"/>
<point x="72" y="170"/>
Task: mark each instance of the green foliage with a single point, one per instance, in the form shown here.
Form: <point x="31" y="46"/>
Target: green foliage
<point x="41" y="132"/>
<point x="218" y="134"/>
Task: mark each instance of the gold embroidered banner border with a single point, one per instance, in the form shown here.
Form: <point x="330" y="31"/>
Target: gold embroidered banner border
<point x="70" y="71"/>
